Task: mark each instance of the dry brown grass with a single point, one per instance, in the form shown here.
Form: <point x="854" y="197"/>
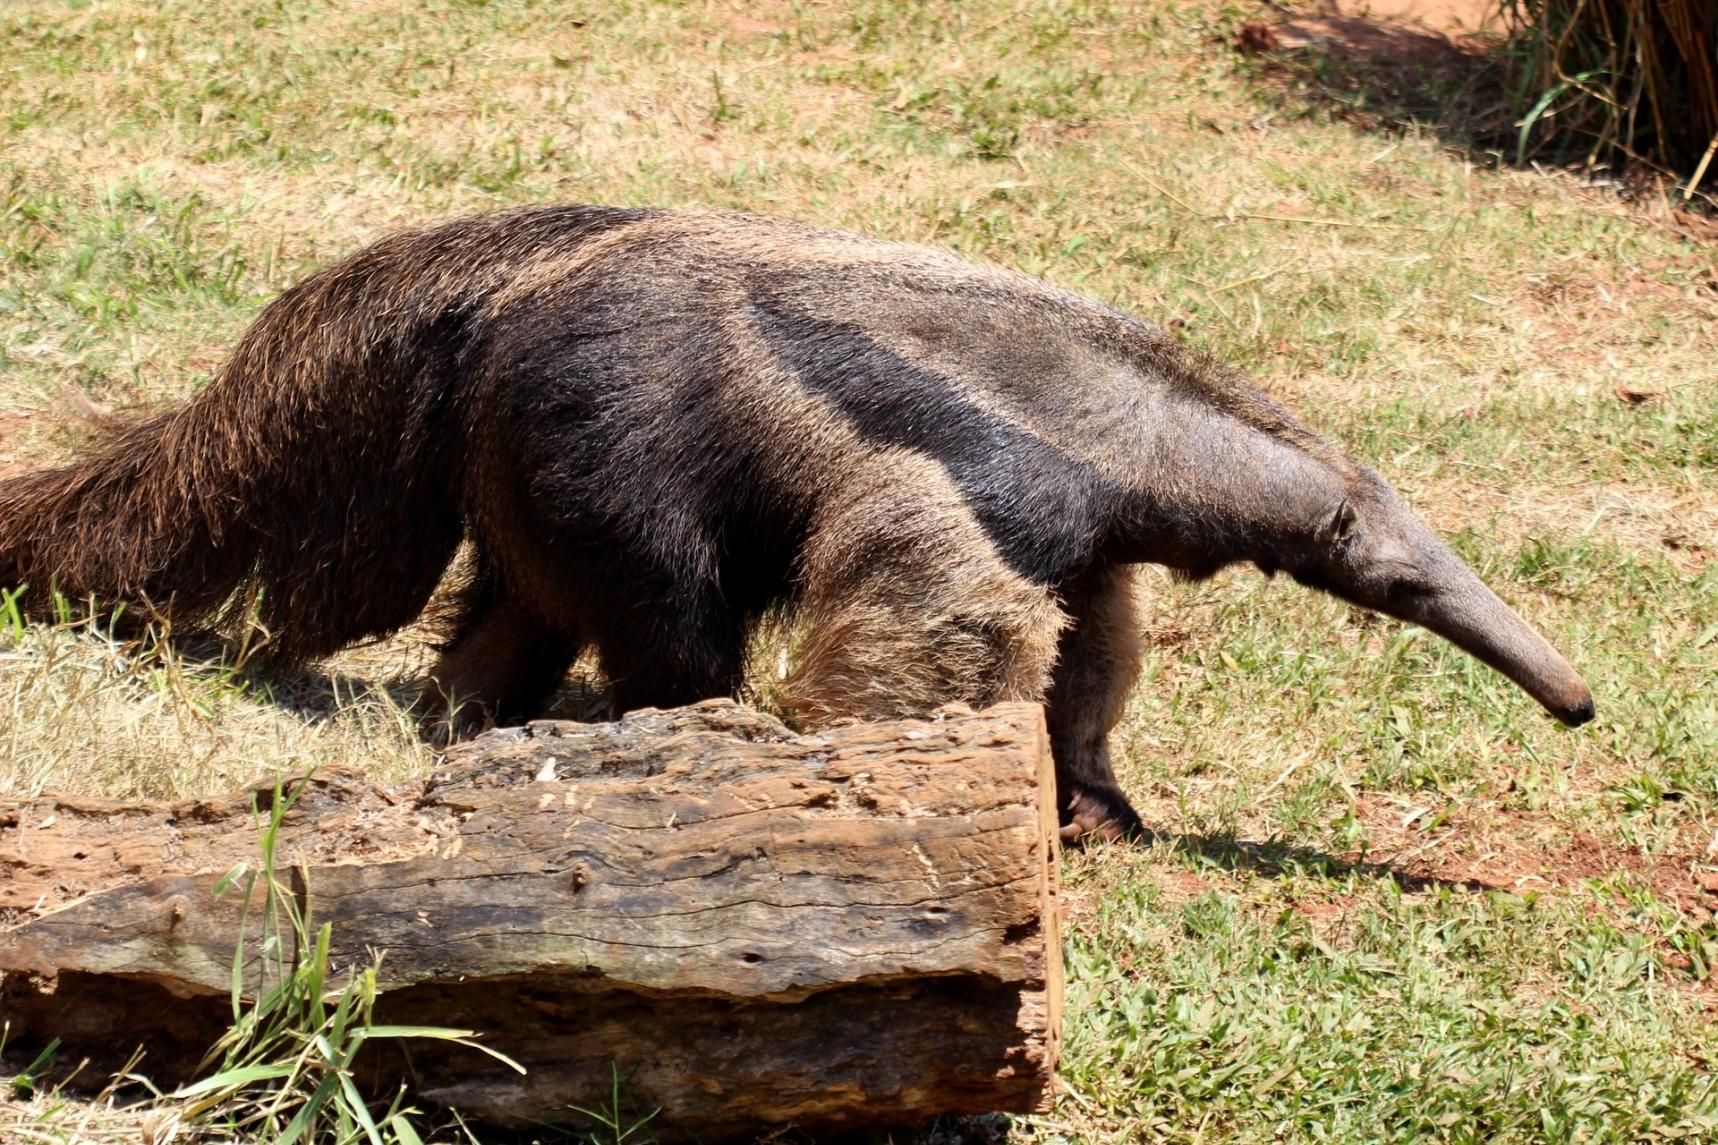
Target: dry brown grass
<point x="1620" y="79"/>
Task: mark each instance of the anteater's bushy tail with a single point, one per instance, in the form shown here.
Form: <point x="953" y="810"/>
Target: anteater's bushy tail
<point x="323" y="466"/>
<point x="320" y="466"/>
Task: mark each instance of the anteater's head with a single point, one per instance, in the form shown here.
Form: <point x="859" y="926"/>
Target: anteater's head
<point x="1366" y="546"/>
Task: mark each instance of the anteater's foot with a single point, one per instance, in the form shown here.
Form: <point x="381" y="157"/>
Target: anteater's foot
<point x="441" y="724"/>
<point x="1100" y="815"/>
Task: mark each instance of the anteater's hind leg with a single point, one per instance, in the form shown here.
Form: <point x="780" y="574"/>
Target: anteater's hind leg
<point x="686" y="647"/>
<point x="502" y="664"/>
<point x="1096" y="667"/>
<point x="908" y="606"/>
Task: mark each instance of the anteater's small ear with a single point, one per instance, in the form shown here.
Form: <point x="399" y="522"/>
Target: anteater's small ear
<point x="1341" y="523"/>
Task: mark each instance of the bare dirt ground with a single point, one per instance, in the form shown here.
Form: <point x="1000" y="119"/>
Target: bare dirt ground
<point x="1406" y="30"/>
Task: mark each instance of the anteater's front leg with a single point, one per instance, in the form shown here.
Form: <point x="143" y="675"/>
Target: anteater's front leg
<point x="1096" y="667"/>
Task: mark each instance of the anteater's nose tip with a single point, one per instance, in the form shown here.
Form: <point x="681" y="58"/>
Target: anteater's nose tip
<point x="1579" y="712"/>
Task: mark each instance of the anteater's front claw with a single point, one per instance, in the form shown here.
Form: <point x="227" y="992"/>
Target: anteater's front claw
<point x="1101" y="815"/>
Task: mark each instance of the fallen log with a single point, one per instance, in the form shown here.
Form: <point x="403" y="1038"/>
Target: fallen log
<point x="750" y="928"/>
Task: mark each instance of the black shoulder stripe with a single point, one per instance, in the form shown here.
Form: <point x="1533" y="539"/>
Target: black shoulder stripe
<point x="1044" y="511"/>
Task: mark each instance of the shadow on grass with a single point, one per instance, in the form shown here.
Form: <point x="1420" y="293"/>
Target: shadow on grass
<point x="309" y="691"/>
<point x="314" y="692"/>
<point x="1386" y="77"/>
<point x="1281" y="860"/>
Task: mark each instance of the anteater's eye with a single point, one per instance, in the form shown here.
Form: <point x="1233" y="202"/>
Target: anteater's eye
<point x="1406" y="588"/>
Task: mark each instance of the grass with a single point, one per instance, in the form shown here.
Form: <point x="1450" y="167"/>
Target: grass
<point x="91" y="714"/>
<point x="1389" y="900"/>
<point x="283" y="1072"/>
<point x="1394" y="1018"/>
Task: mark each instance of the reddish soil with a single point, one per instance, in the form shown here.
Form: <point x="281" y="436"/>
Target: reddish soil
<point x="1519" y="853"/>
<point x="1416" y="31"/>
<point x="1452" y="16"/>
<point x="1369" y="38"/>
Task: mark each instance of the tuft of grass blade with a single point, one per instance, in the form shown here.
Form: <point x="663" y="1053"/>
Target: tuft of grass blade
<point x="283" y="1072"/>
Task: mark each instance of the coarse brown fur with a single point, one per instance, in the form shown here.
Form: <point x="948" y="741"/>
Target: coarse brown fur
<point x="655" y="426"/>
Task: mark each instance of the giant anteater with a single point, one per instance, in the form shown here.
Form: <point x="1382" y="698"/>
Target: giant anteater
<point x="655" y="425"/>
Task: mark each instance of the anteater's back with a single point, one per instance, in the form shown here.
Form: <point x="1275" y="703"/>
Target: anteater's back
<point x="632" y="412"/>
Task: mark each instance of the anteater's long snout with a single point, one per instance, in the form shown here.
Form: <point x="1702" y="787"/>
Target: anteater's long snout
<point x="1468" y="614"/>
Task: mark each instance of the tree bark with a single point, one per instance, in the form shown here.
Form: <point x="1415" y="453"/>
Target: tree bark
<point x="748" y="927"/>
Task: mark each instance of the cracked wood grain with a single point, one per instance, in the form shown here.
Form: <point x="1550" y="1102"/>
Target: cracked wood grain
<point x="758" y="928"/>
